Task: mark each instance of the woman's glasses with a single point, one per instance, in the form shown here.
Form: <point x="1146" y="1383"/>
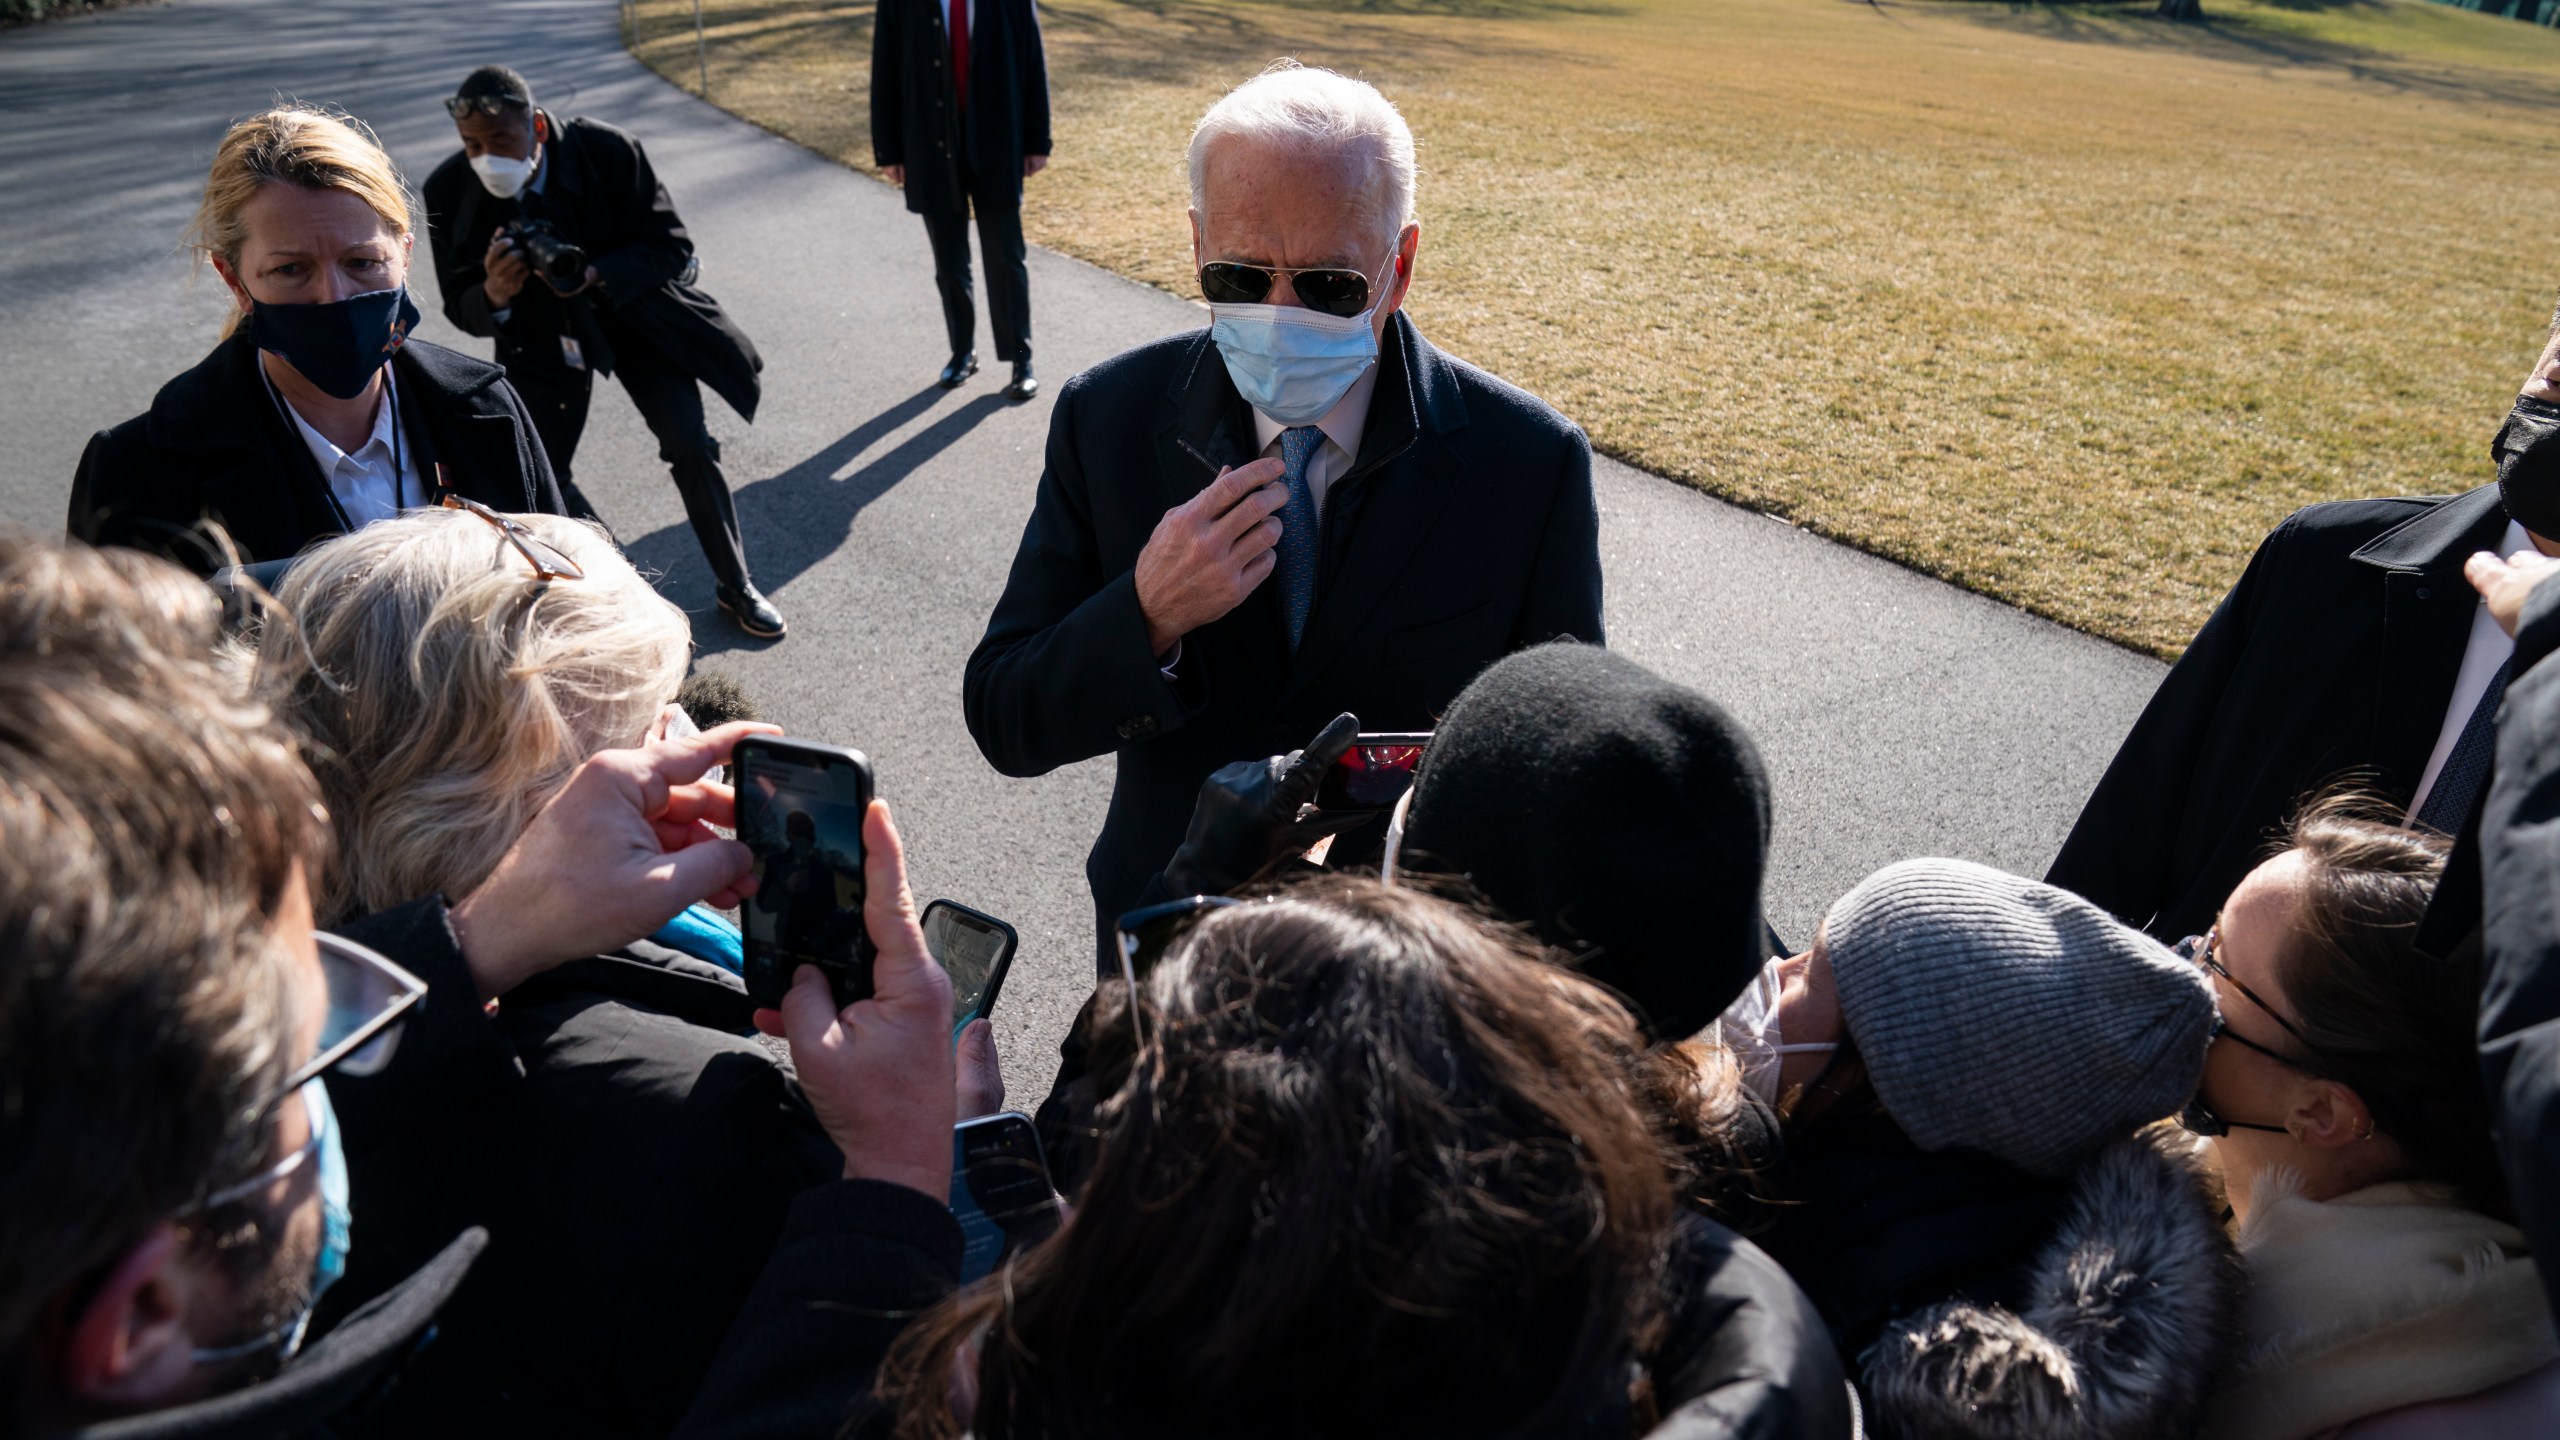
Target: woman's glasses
<point x="2204" y="951"/>
<point x="1332" y="289"/>
<point x="1145" y="935"/>
<point x="547" y="561"/>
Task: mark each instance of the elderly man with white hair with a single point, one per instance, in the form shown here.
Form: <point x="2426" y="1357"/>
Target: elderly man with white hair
<point x="1304" y="509"/>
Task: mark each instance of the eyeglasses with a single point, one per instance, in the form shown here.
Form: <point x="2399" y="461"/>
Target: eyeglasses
<point x="1331" y="289"/>
<point x="464" y="106"/>
<point x="547" y="561"/>
<point x="1145" y="935"/>
<point x="2199" y="1117"/>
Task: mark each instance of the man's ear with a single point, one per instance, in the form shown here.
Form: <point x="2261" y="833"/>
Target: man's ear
<point x="2329" y="1116"/>
<point x="1407" y="246"/>
<point x="541" y="128"/>
<point x="129" y="1350"/>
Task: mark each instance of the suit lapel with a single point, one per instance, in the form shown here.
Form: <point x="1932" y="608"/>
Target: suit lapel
<point x="1391" y="498"/>
<point x="2426" y="624"/>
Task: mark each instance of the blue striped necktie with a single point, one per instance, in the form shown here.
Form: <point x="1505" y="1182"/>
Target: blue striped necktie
<point x="2448" y="805"/>
<point x="1297" y="554"/>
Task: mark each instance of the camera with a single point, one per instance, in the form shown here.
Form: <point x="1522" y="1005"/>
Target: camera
<point x="554" y="257"/>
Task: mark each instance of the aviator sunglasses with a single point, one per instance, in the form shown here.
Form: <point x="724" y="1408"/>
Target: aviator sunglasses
<point x="547" y="561"/>
<point x="1331" y="289"/>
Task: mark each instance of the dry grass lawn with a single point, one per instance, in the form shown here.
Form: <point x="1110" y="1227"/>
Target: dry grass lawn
<point x="2061" y="302"/>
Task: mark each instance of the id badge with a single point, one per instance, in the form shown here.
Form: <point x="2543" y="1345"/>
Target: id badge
<point x="570" y="354"/>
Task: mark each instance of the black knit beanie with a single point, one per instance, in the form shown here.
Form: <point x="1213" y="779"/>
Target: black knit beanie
<point x="1624" y="818"/>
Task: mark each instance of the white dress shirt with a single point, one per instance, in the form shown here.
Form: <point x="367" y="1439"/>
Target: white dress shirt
<point x="371" y="483"/>
<point x="2487" y="648"/>
<point x="1342" y="426"/>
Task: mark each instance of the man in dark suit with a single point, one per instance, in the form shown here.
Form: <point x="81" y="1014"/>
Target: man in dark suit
<point x="634" y="312"/>
<point x="960" y="118"/>
<point x="2350" y="651"/>
<point x="1305" y="509"/>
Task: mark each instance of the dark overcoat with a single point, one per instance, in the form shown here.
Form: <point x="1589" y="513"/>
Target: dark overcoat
<point x="1466" y="528"/>
<point x="918" y="122"/>
<point x="600" y="190"/>
<point x="2334" y="657"/>
<point x="214" y="446"/>
<point x="2520" y="999"/>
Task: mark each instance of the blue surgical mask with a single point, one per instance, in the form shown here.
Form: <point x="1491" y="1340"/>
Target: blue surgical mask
<point x="337" y="1223"/>
<point x="338" y="346"/>
<point x="1291" y="363"/>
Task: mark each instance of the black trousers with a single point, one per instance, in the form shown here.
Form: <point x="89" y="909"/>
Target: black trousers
<point x="670" y="402"/>
<point x="999" y="208"/>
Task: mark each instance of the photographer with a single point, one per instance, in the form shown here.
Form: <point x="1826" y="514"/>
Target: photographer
<point x="557" y="239"/>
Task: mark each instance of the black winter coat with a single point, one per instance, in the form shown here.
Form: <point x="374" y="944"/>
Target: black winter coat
<point x="1465" y="529"/>
<point x="2336" y="653"/>
<point x="632" y="1157"/>
<point x="917" y="121"/>
<point x="213" y="446"/>
<point x="599" y="189"/>
<point x="2520" y="1003"/>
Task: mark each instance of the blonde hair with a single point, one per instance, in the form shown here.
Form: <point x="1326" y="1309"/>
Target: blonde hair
<point x="1296" y="105"/>
<point x="314" y="149"/>
<point x="447" y="694"/>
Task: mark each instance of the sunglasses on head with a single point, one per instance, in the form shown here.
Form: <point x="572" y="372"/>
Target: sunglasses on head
<point x="547" y="561"/>
<point x="1145" y="935"/>
<point x="464" y="106"/>
<point x="1331" y="289"/>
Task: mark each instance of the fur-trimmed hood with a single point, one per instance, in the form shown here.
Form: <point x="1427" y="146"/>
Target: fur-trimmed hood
<point x="2126" y="1310"/>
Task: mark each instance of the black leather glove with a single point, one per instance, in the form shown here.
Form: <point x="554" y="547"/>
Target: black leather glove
<point x="1247" y="814"/>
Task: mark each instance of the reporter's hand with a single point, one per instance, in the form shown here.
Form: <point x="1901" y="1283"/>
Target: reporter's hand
<point x="1247" y="814"/>
<point x="2504" y="584"/>
<point x="897" y="175"/>
<point x="1210" y="551"/>
<point x="1033" y="165"/>
<point x="879" y="1072"/>
<point x="507" y="270"/>
<point x="979" y="1082"/>
<point x="624" y="847"/>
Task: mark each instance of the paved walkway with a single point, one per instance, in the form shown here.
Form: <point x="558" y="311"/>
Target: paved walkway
<point x="1900" y="716"/>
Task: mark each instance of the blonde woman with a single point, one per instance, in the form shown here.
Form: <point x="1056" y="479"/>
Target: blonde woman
<point x="630" y="1149"/>
<point x="317" y="413"/>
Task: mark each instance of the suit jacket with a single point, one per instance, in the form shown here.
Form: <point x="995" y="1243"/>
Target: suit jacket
<point x="1465" y="529"/>
<point x="2520" y="991"/>
<point x="213" y="446"/>
<point x="599" y="189"/>
<point x="2334" y="656"/>
<point x="918" y="122"/>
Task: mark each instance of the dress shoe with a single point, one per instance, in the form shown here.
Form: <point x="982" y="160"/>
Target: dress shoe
<point x="962" y="366"/>
<point x="753" y="613"/>
<point x="1025" y="384"/>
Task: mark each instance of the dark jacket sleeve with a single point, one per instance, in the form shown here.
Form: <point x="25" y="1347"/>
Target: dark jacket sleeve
<point x="542" y="486"/>
<point x="857" y="1260"/>
<point x="1032" y="65"/>
<point x="888" y="134"/>
<point x="2119" y="851"/>
<point x="2520" y="998"/>
<point x="1064" y="673"/>
<point x="654" y="245"/>
<point x="449" y="1059"/>
<point x="1747" y="1357"/>
<point x="93" y="488"/>
<point x="458" y="276"/>
<point x="1564" y="587"/>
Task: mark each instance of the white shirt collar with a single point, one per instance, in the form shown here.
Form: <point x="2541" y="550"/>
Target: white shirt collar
<point x="1343" y="424"/>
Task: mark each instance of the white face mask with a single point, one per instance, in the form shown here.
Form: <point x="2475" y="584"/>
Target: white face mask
<point x="1748" y="1030"/>
<point x="503" y="177"/>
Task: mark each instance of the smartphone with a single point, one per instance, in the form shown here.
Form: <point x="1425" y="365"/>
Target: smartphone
<point x="974" y="949"/>
<point x="800" y="809"/>
<point x="1000" y="1191"/>
<point x="1373" y="774"/>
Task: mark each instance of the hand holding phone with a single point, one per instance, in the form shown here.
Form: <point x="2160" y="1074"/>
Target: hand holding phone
<point x="1373" y="772"/>
<point x="975" y="949"/>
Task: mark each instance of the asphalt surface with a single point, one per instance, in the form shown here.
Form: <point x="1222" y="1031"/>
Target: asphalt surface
<point x="1899" y="716"/>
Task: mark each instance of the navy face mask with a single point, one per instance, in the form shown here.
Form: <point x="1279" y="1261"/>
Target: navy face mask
<point x="337" y="346"/>
<point x="2528" y="454"/>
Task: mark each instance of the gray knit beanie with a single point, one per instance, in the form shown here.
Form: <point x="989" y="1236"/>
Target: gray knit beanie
<point x="2000" y="1015"/>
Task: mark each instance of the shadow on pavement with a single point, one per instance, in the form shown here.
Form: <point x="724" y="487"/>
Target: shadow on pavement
<point x="796" y="519"/>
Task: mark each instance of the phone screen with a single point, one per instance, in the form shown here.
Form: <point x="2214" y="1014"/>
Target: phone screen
<point x="1000" y="1191"/>
<point x="802" y="820"/>
<point x="1373" y="774"/>
<point x="969" y="949"/>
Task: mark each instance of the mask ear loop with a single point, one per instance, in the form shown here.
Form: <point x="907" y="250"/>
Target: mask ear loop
<point x="1395" y="838"/>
